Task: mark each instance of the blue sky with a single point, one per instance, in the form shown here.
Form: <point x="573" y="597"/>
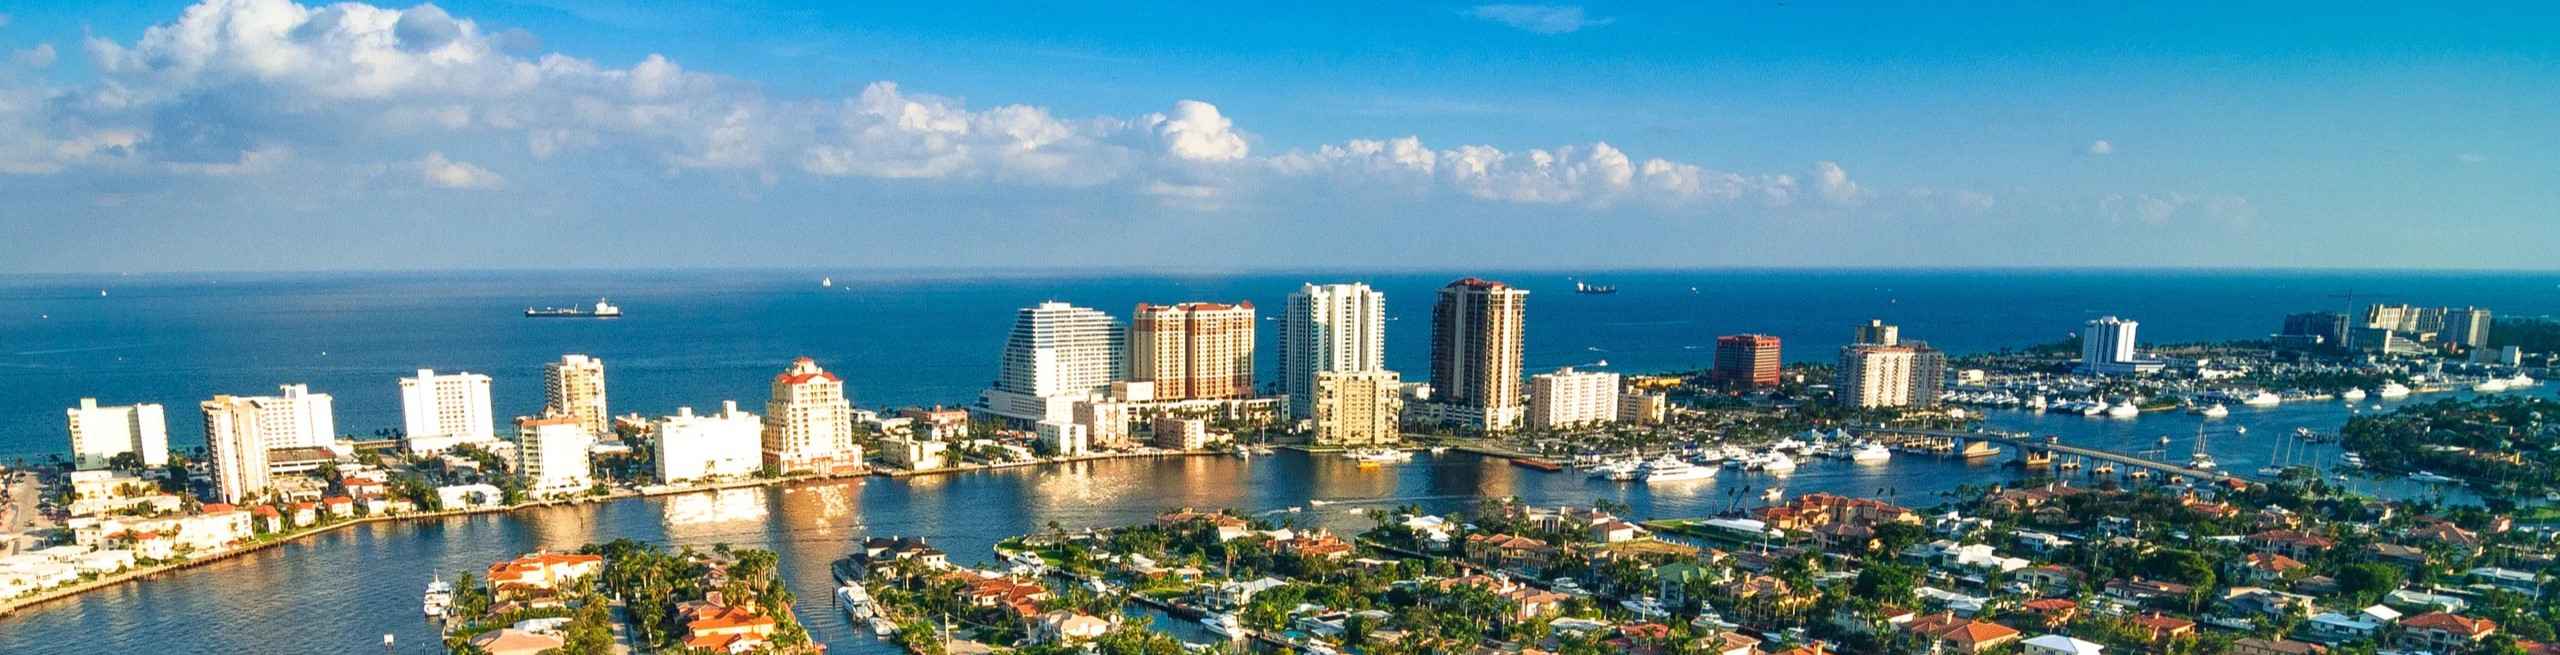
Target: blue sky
<point x="268" y="135"/>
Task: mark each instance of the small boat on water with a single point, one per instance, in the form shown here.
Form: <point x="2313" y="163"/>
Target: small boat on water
<point x="2351" y="395"/>
<point x="1439" y="450"/>
<point x="2123" y="409"/>
<point x="1871" y="453"/>
<point x="2392" y="390"/>
<point x="2491" y="385"/>
<point x="1778" y="463"/>
<point x="2216" y="411"/>
<point x="2263" y="399"/>
<point x="2430" y="477"/>
<point x="1774" y="494"/>
<point x="1618" y="470"/>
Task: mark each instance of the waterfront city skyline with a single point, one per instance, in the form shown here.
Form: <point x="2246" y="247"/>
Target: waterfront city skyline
<point x="478" y="134"/>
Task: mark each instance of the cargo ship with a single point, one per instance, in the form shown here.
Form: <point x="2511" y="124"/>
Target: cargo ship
<point x="602" y="309"/>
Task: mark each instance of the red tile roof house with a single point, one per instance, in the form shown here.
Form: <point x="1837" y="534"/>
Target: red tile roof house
<point x="2444" y="632"/>
<point x="713" y="626"/>
<point x="339" y="506"/>
<point x="2266" y="568"/>
<point x="267" y="518"/>
<point x="2292" y="543"/>
<point x="1947" y="633"/>
<point x="2160" y="628"/>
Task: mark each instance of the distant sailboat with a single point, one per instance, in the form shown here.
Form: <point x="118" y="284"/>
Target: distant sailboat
<point x="827" y="282"/>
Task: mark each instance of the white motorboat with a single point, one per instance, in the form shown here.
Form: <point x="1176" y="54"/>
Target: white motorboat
<point x="1439" y="450"/>
<point x="2430" y="477"/>
<point x="2392" y="390"/>
<point x="1774" y="494"/>
<point x="881" y="627"/>
<point x="2123" y="409"/>
<point x="1225" y="625"/>
<point x="1871" y="453"/>
<point x="2216" y="411"/>
<point x="1675" y="470"/>
<point x="2263" y="399"/>
<point x="1621" y="469"/>
<point x="2351" y="460"/>
<point x="439" y="597"/>
<point x="2352" y="394"/>
<point x="2491" y="385"/>
<point x="1379" y="455"/>
<point x="2521" y="381"/>
<point x="1778" y="463"/>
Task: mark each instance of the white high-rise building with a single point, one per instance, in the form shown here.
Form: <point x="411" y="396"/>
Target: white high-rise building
<point x="696" y="447"/>
<point x="553" y="451"/>
<point x="808" y="425"/>
<point x="2107" y="348"/>
<point x="101" y="432"/>
<point x="1875" y="375"/>
<point x="1057" y="354"/>
<point x="574" y="386"/>
<point x="1065" y="439"/>
<point x="2468" y="326"/>
<point x="293" y="418"/>
<point x="1334" y="327"/>
<point x="1568" y="398"/>
<point x="1358" y="408"/>
<point x="236" y="434"/>
<point x="447" y="410"/>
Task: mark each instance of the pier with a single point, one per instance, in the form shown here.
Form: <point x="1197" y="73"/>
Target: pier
<point x="2037" y="452"/>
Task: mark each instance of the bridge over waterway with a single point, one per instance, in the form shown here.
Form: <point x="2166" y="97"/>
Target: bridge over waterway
<point x="2029" y="445"/>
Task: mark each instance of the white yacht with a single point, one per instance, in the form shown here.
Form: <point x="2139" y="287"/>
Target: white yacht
<point x="2216" y="411"/>
<point x="1620" y="469"/>
<point x="2491" y="385"/>
<point x="1225" y="625"/>
<point x="2123" y="409"/>
<point x="439" y="596"/>
<point x="2392" y="390"/>
<point x="2521" y="381"/>
<point x="1871" y="453"/>
<point x="2429" y="477"/>
<point x="1379" y="455"/>
<point x="2351" y="395"/>
<point x="1778" y="463"/>
<point x="1675" y="470"/>
<point x="2262" y="399"/>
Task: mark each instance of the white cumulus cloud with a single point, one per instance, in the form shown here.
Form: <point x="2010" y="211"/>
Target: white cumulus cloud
<point x="2100" y="148"/>
<point x="41" y="56"/>
<point x="443" y="173"/>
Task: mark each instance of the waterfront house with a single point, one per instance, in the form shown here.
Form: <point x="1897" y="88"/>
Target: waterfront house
<point x="1505" y="550"/>
<point x="265" y="518"/>
<point x="214" y="527"/>
<point x="2447" y="535"/>
<point x="2340" y="628"/>
<point x="306" y="514"/>
<point x="540" y="574"/>
<point x="1229" y="528"/>
<point x="340" y="507"/>
<point x="712" y="625"/>
<point x="469" y="496"/>
<point x="1063" y="627"/>
<point x="882" y="550"/>
<point x="2148" y="592"/>
<point x="1319" y="546"/>
<point x="155" y="546"/>
<point x="2444" y="632"/>
<point x="510" y="641"/>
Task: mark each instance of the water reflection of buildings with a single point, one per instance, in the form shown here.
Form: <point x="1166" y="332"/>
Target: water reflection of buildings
<point x="564" y="527"/>
<point x="824" y="508"/>
<point x="714" y="516"/>
<point x="1340" y="478"/>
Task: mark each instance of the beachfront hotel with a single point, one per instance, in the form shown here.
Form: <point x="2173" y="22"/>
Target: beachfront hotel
<point x="1476" y="331"/>
<point x="574" y="386"/>
<point x="2107" y="348"/>
<point x="1193" y="350"/>
<point x="1333" y="327"/>
<point x="702" y="447"/>
<point x="1056" y="355"/>
<point x="440" y="411"/>
<point x="808" y="424"/>
<point x="101" y="432"/>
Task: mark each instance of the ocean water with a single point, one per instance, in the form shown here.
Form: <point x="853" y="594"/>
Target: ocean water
<point x="699" y="337"/>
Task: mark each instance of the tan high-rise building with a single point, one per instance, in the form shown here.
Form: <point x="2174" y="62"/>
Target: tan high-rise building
<point x="1358" y="408"/>
<point x="1193" y="350"/>
<point x="1878" y="333"/>
<point x="808" y="425"/>
<point x="1875" y="376"/>
<point x="574" y="387"/>
<point x="235" y="438"/>
<point x="1476" y="332"/>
